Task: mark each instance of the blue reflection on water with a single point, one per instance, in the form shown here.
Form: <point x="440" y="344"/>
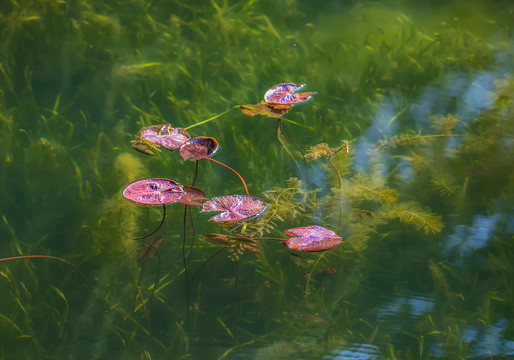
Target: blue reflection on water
<point x="486" y="341"/>
<point x="381" y="127"/>
<point x="355" y="351"/>
<point x="460" y="94"/>
<point x="411" y="304"/>
<point x="466" y="239"/>
<point x="478" y="95"/>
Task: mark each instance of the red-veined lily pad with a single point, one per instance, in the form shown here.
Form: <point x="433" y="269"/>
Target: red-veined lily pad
<point x="153" y="192"/>
<point x="191" y="195"/>
<point x="235" y="208"/>
<point x="199" y="147"/>
<point x="311" y="238"/>
<point x="164" y="135"/>
<point x="287" y="94"/>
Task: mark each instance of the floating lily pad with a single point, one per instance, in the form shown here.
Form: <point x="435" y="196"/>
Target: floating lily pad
<point x="191" y="195"/>
<point x="235" y="208"/>
<point x="153" y="192"/>
<point x="287" y="94"/>
<point x="199" y="147"/>
<point x="164" y="135"/>
<point x="311" y="238"/>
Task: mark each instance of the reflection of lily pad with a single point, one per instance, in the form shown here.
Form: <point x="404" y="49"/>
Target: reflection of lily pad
<point x="235" y="208"/>
<point x="191" y="195"/>
<point x="200" y="147"/>
<point x="311" y="238"/>
<point x="287" y="94"/>
<point x="153" y="191"/>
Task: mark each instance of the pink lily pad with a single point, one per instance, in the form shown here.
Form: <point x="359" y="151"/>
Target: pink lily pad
<point x="153" y="192"/>
<point x="165" y="135"/>
<point x="199" y="147"/>
<point x="191" y="196"/>
<point x="311" y="238"/>
<point x="287" y="94"/>
<point x="235" y="208"/>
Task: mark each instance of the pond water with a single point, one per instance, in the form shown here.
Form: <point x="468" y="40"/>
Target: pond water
<point x="405" y="152"/>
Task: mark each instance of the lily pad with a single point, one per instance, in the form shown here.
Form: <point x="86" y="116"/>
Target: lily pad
<point x="199" y="147"/>
<point x="287" y="94"/>
<point x="311" y="238"/>
<point x="263" y="108"/>
<point x="164" y="135"/>
<point x="235" y="208"/>
<point x="191" y="195"/>
<point x="153" y="192"/>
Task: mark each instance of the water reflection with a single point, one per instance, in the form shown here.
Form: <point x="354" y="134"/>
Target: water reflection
<point x="355" y="352"/>
<point x="486" y="341"/>
<point x="413" y="305"/>
<point x="466" y="239"/>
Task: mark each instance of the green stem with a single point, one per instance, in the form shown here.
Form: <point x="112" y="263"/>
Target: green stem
<point x="212" y="118"/>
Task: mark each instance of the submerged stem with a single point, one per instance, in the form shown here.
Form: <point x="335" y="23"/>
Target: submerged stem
<point x="235" y="172"/>
<point x="286" y="137"/>
<point x="337" y="171"/>
<point x="186" y="270"/>
<point x="206" y="261"/>
<point x="212" y="118"/>
<point x="158" y="227"/>
<point x="279" y="129"/>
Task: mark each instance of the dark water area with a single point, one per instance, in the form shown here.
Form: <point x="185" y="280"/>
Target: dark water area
<point x="405" y="152"/>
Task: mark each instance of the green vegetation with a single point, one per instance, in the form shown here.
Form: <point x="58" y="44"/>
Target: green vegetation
<point x="406" y="152"/>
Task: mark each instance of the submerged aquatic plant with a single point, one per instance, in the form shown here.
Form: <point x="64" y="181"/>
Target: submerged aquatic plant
<point x="324" y="150"/>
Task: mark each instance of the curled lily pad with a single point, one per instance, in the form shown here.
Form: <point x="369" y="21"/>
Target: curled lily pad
<point x="144" y="146"/>
<point x="263" y="108"/>
<point x="246" y="243"/>
<point x="191" y="195"/>
<point x="311" y="238"/>
<point x="153" y="192"/>
<point x="199" y="147"/>
<point x="235" y="208"/>
<point x="287" y="94"/>
<point x="164" y="135"/>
